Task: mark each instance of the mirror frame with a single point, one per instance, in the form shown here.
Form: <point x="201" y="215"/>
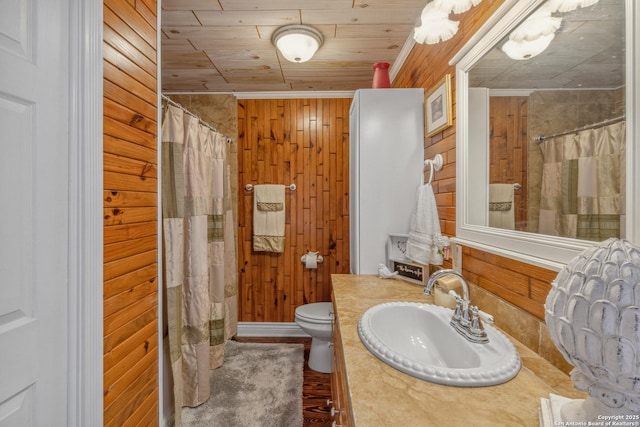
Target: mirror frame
<point x="472" y="171"/>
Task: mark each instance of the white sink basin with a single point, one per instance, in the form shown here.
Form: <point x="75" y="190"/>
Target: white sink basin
<point x="418" y="340"/>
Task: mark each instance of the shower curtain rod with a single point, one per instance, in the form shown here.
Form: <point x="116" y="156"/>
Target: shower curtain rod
<point x="175" y="104"/>
<point x="541" y="138"/>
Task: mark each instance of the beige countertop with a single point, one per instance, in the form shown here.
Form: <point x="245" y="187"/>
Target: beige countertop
<point x="380" y="395"/>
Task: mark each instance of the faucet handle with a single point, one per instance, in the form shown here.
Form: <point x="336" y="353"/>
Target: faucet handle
<point x="476" y="324"/>
<point x="465" y="319"/>
<point x="476" y="329"/>
<point x="457" y="313"/>
<point x="486" y="317"/>
<point x="455" y="295"/>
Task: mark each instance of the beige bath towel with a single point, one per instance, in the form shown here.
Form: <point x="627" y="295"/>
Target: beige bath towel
<point x="268" y="218"/>
<point x="501" y="206"/>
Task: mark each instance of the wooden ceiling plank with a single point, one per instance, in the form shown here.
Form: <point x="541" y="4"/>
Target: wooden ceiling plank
<point x="259" y="17"/>
<point x="178" y="18"/>
<point x="374" y="31"/>
<point x="190" y="5"/>
<point x="417" y="5"/>
<point x="185" y="60"/>
<point x="254" y="56"/>
<point x="360" y="16"/>
<point x="285" y="4"/>
<point x="238" y="45"/>
<point x="169" y="45"/>
<point x="212" y="33"/>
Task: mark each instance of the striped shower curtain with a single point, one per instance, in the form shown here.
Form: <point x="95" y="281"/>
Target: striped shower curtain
<point x="583" y="184"/>
<point x="199" y="253"/>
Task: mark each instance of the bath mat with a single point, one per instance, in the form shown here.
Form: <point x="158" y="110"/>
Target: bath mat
<point x="259" y="385"/>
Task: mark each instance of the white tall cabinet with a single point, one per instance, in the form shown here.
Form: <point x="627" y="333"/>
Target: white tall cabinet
<point x="386" y="164"/>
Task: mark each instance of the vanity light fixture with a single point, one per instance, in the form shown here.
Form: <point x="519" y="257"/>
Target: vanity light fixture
<point x="456" y="6"/>
<point x="297" y="43"/>
<point x="435" y="25"/>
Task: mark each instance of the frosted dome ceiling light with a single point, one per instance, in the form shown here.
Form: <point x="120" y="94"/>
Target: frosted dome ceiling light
<point x="456" y="6"/>
<point x="526" y="49"/>
<point x="539" y="24"/>
<point x="435" y="25"/>
<point x="297" y="43"/>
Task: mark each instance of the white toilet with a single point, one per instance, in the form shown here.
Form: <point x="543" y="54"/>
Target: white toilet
<point x="315" y="320"/>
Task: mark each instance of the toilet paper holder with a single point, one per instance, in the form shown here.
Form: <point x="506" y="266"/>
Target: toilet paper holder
<point x="319" y="258"/>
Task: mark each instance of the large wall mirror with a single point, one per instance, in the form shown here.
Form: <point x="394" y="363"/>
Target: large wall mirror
<point x="546" y="94"/>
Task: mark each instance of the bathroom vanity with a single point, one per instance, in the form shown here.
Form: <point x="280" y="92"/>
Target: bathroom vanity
<point x="368" y="392"/>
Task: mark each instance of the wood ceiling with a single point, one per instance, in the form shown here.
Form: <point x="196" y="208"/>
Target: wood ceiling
<point x="225" y="45"/>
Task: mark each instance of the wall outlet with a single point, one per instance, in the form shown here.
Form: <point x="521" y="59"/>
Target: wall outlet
<point x="456" y="254"/>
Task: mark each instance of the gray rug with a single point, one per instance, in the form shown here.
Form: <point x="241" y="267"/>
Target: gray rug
<point x="259" y="385"/>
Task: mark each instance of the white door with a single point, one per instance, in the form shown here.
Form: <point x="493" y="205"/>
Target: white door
<point x="34" y="143"/>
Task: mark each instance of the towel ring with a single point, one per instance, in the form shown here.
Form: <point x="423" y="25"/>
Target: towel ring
<point x="435" y="164"/>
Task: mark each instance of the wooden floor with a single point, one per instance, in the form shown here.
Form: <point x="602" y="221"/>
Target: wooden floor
<point x="316" y="389"/>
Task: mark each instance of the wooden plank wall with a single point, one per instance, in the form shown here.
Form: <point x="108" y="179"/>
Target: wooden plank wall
<point x="130" y="212"/>
<point x="304" y="142"/>
<point x="519" y="283"/>
<point x="508" y="137"/>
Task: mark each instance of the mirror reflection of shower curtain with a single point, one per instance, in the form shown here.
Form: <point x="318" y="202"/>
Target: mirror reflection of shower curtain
<point x="583" y="184"/>
<point x="199" y="253"/>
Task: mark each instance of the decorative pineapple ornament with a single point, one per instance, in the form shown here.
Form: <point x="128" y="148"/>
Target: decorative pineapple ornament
<point x="593" y="316"/>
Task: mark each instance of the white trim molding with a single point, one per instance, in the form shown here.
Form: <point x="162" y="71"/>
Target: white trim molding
<point x="633" y="130"/>
<point x="85" y="329"/>
<point x="402" y="56"/>
<point x="546" y="251"/>
<point x="166" y="412"/>
<point x="270" y="329"/>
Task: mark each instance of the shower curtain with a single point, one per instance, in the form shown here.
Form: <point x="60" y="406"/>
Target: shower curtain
<point x="583" y="184"/>
<point x="199" y="253"/>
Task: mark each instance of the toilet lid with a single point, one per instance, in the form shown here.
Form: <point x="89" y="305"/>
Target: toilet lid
<point x="317" y="311"/>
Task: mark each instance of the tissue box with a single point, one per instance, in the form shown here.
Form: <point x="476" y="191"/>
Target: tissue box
<point x="397" y="261"/>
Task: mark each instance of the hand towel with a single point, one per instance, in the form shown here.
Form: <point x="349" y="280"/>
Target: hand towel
<point x="424" y="244"/>
<point x="268" y="218"/>
<point x="501" y="206"/>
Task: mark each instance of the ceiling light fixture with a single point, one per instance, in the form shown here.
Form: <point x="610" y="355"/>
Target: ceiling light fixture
<point x="297" y="43"/>
<point x="526" y="49"/>
<point x="539" y="24"/>
<point x="435" y="25"/>
<point x="535" y="34"/>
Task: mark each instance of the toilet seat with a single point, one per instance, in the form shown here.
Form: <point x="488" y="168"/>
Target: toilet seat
<point x="318" y="312"/>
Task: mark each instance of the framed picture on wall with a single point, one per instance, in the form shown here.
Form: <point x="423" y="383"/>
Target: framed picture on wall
<point x="437" y="107"/>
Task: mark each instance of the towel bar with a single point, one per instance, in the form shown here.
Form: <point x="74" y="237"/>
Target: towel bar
<point x="292" y="187"/>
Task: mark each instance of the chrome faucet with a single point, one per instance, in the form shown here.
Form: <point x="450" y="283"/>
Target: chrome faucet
<point x="466" y="318"/>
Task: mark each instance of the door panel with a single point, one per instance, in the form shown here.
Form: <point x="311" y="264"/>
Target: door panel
<point x="34" y="214"/>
